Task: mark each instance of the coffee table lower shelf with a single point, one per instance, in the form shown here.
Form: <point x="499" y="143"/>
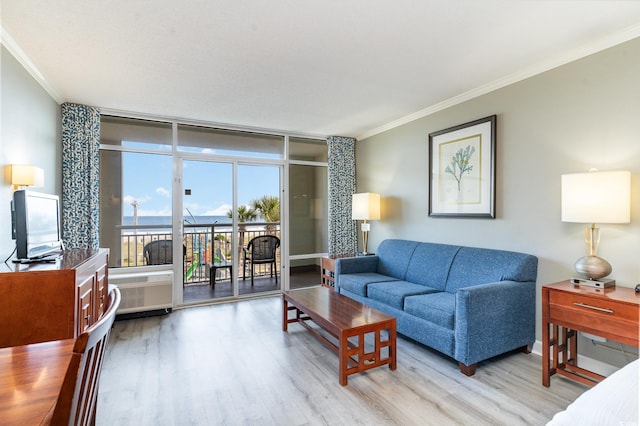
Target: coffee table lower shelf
<point x="348" y="322"/>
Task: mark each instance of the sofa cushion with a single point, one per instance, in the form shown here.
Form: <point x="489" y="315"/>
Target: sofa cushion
<point x="394" y="256"/>
<point x="430" y="264"/>
<point x="393" y="293"/>
<point x="357" y="283"/>
<point x="474" y="266"/>
<point x="439" y="308"/>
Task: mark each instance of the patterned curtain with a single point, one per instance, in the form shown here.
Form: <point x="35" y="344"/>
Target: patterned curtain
<point x="343" y="238"/>
<point x="80" y="176"/>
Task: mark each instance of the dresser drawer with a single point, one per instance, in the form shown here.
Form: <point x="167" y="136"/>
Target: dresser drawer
<point x="608" y="318"/>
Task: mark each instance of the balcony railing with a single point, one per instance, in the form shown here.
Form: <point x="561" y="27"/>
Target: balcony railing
<point x="203" y="244"/>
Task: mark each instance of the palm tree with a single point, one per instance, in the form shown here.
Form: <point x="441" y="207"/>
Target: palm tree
<point x="269" y="208"/>
<point x="245" y="214"/>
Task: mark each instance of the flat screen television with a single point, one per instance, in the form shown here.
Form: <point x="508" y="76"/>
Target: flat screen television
<point x="36" y="224"/>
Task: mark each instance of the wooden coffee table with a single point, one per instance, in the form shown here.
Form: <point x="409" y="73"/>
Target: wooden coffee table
<point x="348" y="322"/>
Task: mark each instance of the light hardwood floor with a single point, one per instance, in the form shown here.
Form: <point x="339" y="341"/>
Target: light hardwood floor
<point x="231" y="364"/>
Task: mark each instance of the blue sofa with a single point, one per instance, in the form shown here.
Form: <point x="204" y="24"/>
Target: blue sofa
<point x="468" y="303"/>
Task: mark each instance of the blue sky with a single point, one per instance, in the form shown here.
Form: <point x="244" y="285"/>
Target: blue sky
<point x="148" y="179"/>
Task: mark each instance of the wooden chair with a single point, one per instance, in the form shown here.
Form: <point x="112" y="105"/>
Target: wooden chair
<point x="76" y="404"/>
<point x="261" y="250"/>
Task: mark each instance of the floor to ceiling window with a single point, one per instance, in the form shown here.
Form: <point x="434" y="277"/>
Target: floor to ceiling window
<point x="308" y="210"/>
<point x="222" y="228"/>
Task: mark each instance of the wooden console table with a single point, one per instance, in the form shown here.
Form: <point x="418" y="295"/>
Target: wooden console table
<point x="612" y="313"/>
<point x="41" y="302"/>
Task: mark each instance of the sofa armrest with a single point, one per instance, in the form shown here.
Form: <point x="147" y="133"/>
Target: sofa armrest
<point x="494" y="318"/>
<point x="354" y="265"/>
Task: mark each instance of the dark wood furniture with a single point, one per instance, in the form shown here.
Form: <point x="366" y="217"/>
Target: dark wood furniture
<point x="612" y="313"/>
<point x="328" y="269"/>
<point x="347" y="322"/>
<point x="30" y="380"/>
<point x="41" y="302"/>
<point x="78" y="398"/>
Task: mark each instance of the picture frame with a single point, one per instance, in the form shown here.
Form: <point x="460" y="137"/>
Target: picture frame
<point x="462" y="175"/>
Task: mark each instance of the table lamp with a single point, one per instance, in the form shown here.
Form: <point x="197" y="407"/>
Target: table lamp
<point x="595" y="197"/>
<point x="365" y="206"/>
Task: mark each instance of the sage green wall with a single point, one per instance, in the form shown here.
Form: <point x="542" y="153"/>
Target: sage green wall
<point x="581" y="115"/>
<point x="29" y="134"/>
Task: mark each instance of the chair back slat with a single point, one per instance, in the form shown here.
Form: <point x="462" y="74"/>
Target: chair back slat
<point x="76" y="404"/>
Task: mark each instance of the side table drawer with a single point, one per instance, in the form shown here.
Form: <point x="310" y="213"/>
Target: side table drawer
<point x="610" y="317"/>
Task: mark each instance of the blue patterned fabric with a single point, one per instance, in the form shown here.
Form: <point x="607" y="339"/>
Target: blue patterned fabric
<point x="341" y="171"/>
<point x="80" y="176"/>
<point x="468" y="303"/>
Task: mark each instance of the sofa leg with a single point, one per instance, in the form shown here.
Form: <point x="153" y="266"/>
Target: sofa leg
<point x="527" y="348"/>
<point x="468" y="370"/>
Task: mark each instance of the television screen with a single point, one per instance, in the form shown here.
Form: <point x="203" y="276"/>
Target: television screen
<point x="36" y="224"/>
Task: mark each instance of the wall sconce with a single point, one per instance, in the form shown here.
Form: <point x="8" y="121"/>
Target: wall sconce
<point x="596" y="197"/>
<point x="22" y="176"/>
<point x="365" y="206"/>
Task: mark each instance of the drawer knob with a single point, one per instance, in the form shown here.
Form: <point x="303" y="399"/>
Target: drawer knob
<point x="595" y="308"/>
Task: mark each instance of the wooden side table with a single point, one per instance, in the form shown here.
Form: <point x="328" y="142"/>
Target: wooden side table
<point x="328" y="268"/>
<point x="612" y="313"/>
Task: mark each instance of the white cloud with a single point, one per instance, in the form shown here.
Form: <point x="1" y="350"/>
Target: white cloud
<point x="163" y="192"/>
<point x="128" y="199"/>
<point x="219" y="211"/>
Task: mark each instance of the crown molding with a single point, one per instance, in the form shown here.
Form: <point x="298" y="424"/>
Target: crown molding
<point x="17" y="52"/>
<point x="620" y="37"/>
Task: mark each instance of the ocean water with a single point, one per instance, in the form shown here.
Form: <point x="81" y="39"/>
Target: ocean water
<point x="166" y="220"/>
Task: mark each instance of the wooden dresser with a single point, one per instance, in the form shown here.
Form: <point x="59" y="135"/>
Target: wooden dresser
<point x="40" y="302"/>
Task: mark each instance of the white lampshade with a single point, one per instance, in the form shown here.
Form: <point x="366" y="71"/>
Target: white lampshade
<point x="596" y="197"/>
<point x="366" y="206"/>
<point x="23" y="175"/>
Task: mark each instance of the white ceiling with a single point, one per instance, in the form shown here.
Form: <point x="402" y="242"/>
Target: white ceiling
<point x="317" y="67"/>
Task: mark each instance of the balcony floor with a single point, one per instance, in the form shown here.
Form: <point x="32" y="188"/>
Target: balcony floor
<point x="203" y="291"/>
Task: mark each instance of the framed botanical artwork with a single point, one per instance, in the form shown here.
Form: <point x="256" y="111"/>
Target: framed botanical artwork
<point x="462" y="178"/>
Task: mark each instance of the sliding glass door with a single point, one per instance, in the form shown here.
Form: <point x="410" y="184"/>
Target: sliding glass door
<point x="207" y="231"/>
<point x="230" y="251"/>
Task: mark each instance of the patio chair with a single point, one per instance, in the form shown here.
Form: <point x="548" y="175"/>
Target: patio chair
<point x="160" y="252"/>
<point x="260" y="251"/>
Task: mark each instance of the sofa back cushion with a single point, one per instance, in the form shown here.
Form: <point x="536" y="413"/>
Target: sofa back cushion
<point x="430" y="264"/>
<point x="394" y="256"/>
<point x="474" y="266"/>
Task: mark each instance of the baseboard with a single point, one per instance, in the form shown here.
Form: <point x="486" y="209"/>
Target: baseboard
<point x="585" y="362"/>
<point x="143" y="314"/>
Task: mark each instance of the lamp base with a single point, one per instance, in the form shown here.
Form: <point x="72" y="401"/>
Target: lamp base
<point x="593" y="267"/>
<point x="605" y="283"/>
